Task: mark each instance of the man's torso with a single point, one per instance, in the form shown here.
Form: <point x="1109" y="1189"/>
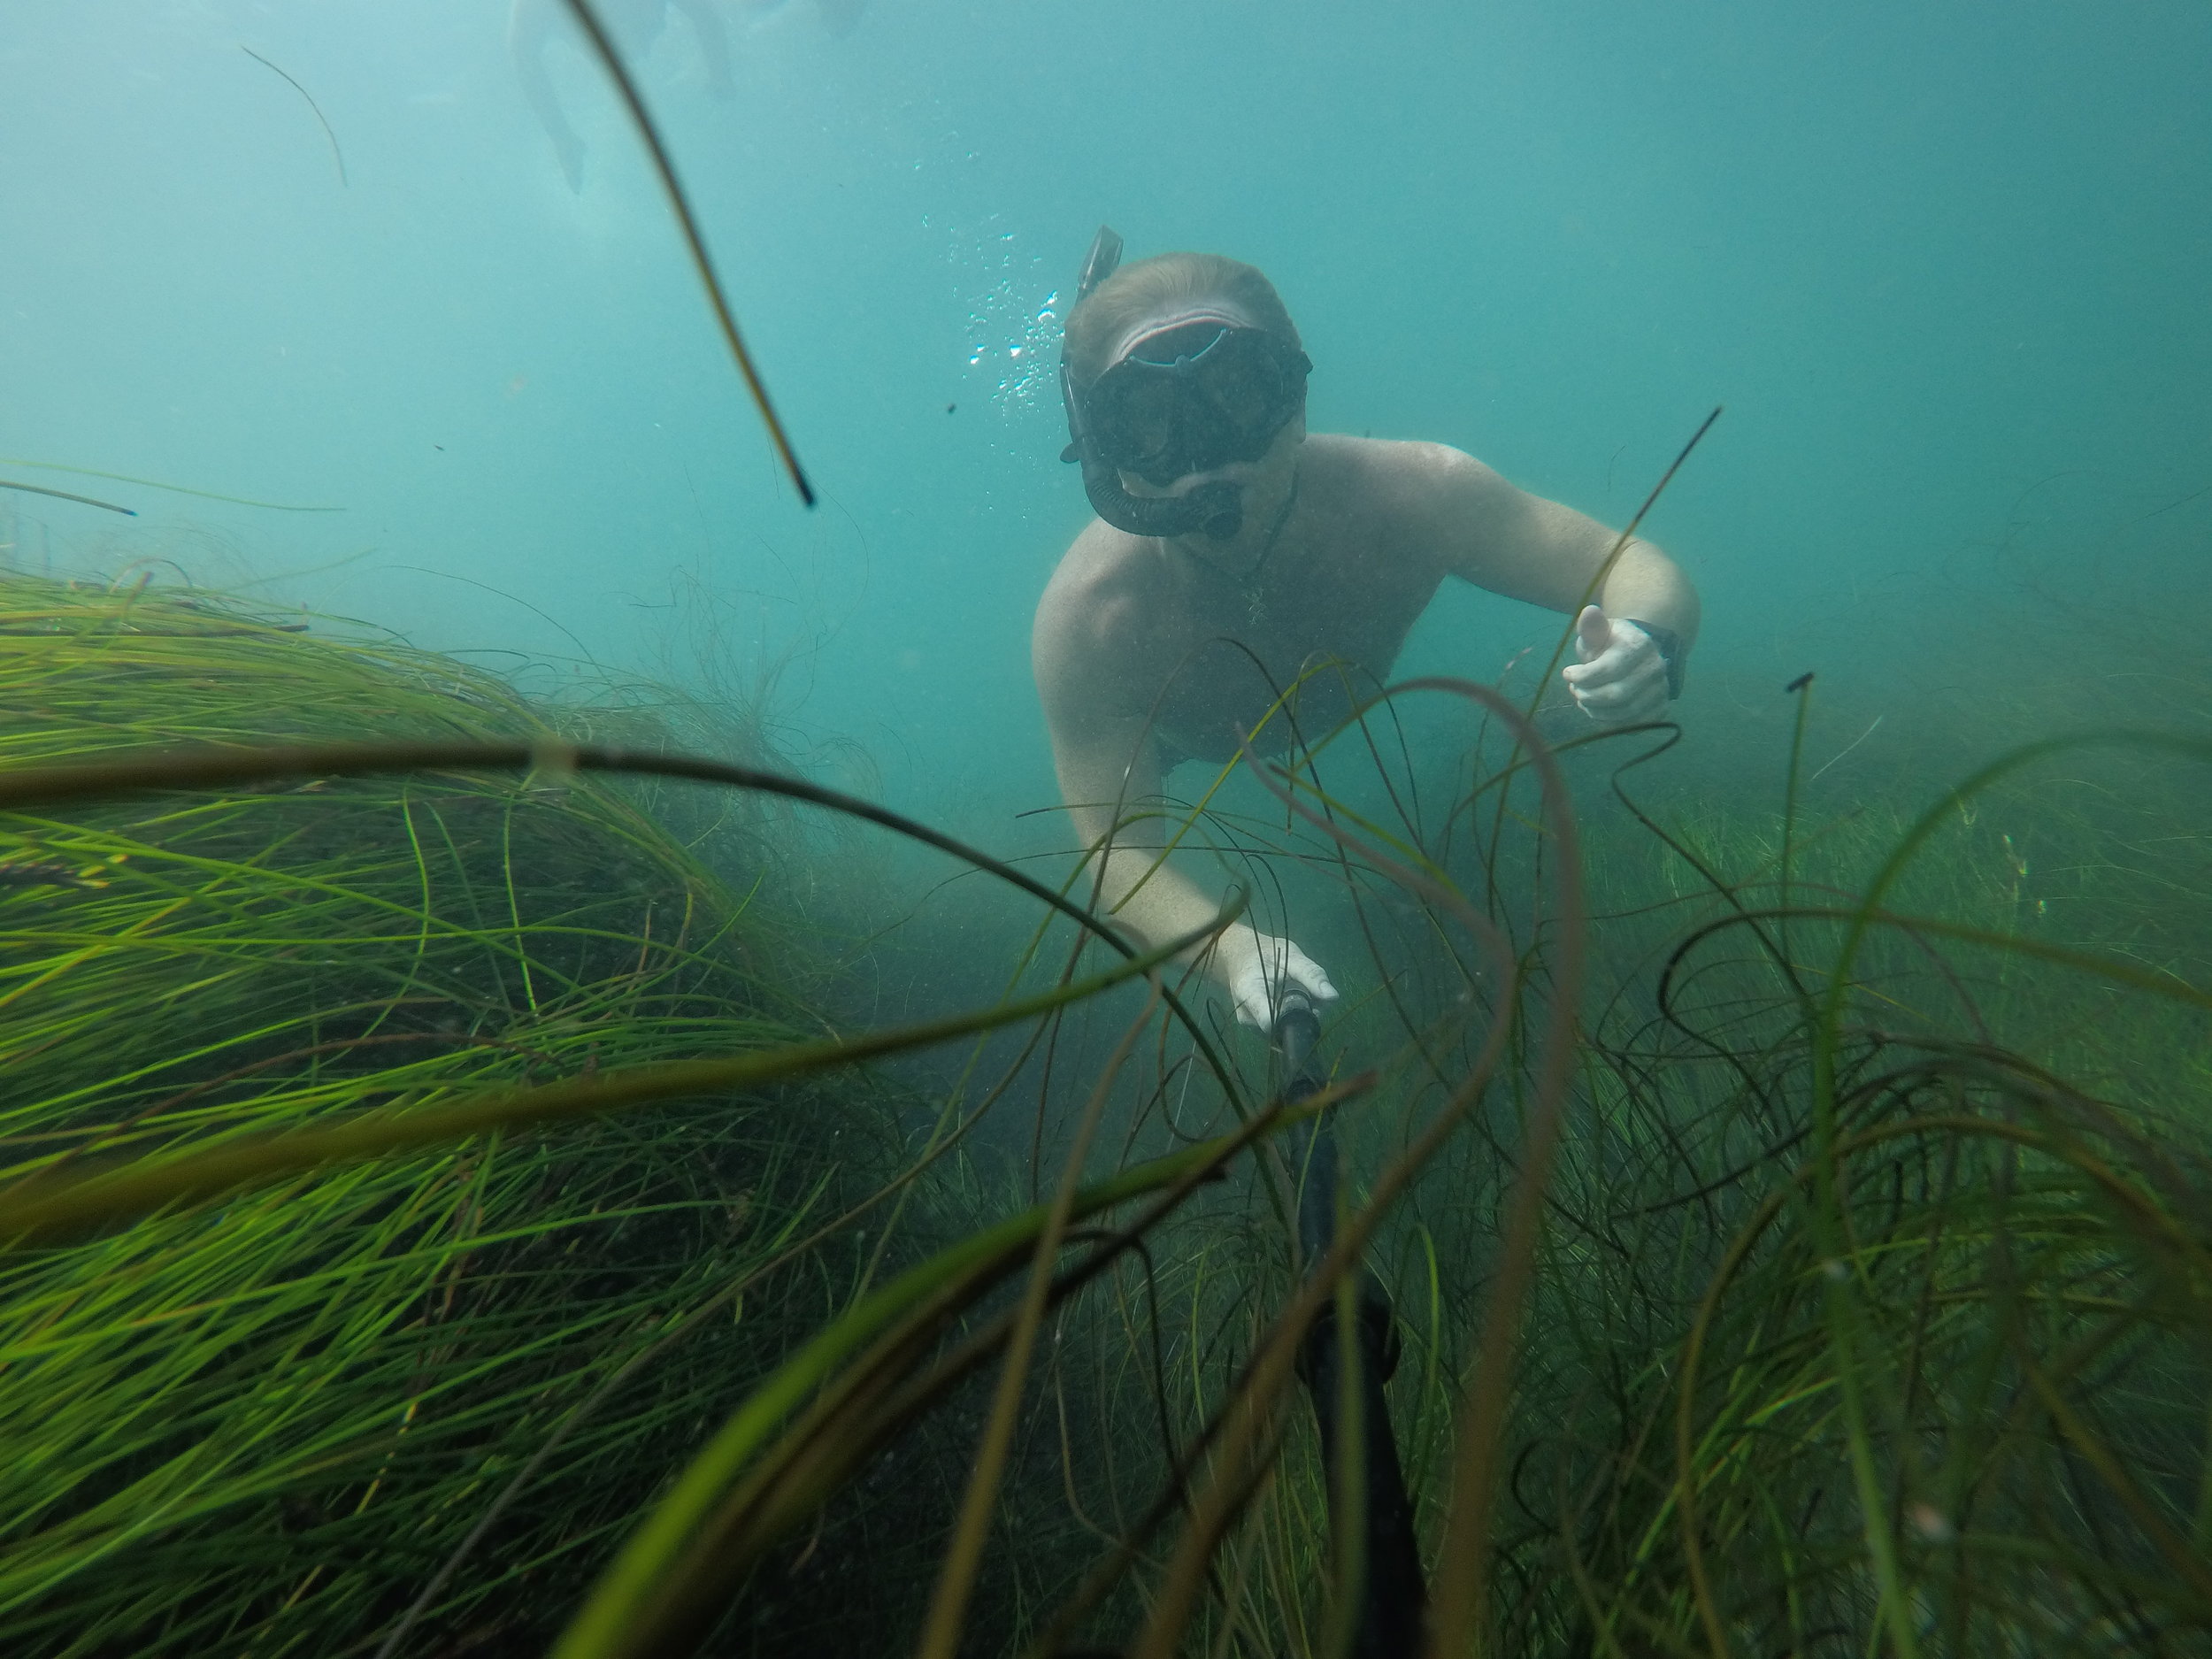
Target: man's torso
<point x="1327" y="609"/>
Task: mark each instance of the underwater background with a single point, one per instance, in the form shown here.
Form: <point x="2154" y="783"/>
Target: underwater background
<point x="1945" y="264"/>
<point x="1871" y="1307"/>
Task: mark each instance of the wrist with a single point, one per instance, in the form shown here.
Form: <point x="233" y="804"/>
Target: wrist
<point x="1669" y="647"/>
<point x="1227" y="954"/>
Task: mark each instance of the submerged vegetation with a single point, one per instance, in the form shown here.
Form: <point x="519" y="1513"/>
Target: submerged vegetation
<point x="257" y="1423"/>
<point x="1867" y="1325"/>
<point x="1765" y="1285"/>
<point x="1855" y="1325"/>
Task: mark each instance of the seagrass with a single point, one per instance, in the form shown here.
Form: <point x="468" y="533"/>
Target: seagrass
<point x="1873" y="1306"/>
<point x="262" y="1425"/>
<point x="1851" y="1324"/>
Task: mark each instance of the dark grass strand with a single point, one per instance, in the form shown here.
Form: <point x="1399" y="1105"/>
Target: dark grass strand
<point x="149" y="483"/>
<point x="1589" y="595"/>
<point x="336" y="154"/>
<point x="63" y="495"/>
<point x="604" y="46"/>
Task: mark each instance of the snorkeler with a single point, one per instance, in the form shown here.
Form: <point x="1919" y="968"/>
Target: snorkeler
<point x="1224" y="528"/>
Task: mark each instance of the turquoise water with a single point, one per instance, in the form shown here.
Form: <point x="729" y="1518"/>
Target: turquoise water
<point x="1945" y="264"/>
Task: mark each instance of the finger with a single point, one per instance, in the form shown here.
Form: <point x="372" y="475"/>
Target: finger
<point x="1609" y="665"/>
<point x="1307" y="974"/>
<point x="1603" y="682"/>
<point x="1623" y="705"/>
<point x="1592" y="634"/>
<point x="1609" y="697"/>
<point x="1619" y="660"/>
<point x="1632" y="659"/>
<point x="1609" y="700"/>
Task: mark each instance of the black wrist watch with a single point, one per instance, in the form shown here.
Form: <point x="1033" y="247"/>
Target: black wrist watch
<point x="1670" y="644"/>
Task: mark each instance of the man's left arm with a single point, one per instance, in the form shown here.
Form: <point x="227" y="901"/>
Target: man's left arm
<point x="1635" y="617"/>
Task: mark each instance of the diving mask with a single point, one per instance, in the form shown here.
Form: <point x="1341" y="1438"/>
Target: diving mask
<point x="1194" y="397"/>
<point x="1200" y="392"/>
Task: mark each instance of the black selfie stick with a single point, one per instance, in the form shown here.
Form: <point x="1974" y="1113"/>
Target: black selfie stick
<point x="1392" y="1596"/>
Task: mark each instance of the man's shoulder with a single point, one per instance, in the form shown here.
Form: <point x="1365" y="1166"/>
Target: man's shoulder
<point x="1414" y="494"/>
<point x="1101" y="565"/>
<point x="1411" y="468"/>
<point x="1098" y="598"/>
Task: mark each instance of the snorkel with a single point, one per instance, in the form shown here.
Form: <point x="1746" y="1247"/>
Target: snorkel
<point x="1217" y="508"/>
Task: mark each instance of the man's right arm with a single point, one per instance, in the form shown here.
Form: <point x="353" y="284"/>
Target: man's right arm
<point x="1109" y="771"/>
<point x="1108" y="765"/>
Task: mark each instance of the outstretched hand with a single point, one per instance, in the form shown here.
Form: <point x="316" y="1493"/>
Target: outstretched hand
<point x="1277" y="966"/>
<point x="1622" y="679"/>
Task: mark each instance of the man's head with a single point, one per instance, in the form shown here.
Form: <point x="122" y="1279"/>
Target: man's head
<point x="1179" y="367"/>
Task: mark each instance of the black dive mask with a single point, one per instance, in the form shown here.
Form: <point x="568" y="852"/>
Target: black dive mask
<point x="1197" y="394"/>
<point x="1193" y="398"/>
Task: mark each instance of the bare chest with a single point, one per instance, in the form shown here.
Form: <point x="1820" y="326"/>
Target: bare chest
<point x="1320" y="632"/>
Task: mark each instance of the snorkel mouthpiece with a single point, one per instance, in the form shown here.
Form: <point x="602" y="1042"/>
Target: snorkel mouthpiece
<point x="1217" y="508"/>
<point x="1226" y="503"/>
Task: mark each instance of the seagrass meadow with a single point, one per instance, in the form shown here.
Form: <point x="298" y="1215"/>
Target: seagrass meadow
<point x="263" y="1425"/>
<point x="449" y="1216"/>
<point x="1869" y="1310"/>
